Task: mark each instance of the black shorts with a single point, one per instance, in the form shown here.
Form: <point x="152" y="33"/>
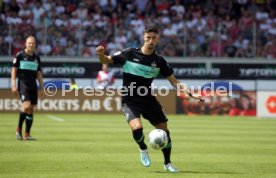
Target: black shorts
<point x="153" y="112"/>
<point x="28" y="95"/>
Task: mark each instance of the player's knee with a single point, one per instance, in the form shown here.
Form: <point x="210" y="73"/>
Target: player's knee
<point x="31" y="110"/>
<point x="27" y="108"/>
<point x="135" y="125"/>
<point x="162" y="126"/>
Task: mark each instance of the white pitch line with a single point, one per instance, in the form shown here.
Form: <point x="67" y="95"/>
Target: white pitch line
<point x="55" y="118"/>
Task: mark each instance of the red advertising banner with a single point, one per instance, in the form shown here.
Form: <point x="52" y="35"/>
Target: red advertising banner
<point x="239" y="103"/>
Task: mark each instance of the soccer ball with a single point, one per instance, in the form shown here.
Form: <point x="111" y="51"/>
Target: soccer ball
<point x="158" y="139"/>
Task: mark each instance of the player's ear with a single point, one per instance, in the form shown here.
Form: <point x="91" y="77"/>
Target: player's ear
<point x="158" y="37"/>
<point x="144" y="36"/>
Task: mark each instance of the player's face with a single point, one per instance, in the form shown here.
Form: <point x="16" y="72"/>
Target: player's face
<point x="30" y="44"/>
<point x="150" y="40"/>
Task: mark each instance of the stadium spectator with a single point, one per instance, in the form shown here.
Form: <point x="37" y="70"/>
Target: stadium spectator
<point x="45" y="49"/>
<point x="133" y="41"/>
<point x="37" y="10"/>
<point x="70" y="49"/>
<point x="270" y="49"/>
<point x="13" y="6"/>
<point x="105" y="78"/>
<point x="230" y="49"/>
<point x="249" y="51"/>
<point x="120" y="38"/>
<point x="25" y="14"/>
<point x="48" y="5"/>
<point x="86" y="52"/>
<point x="112" y="46"/>
<point x="82" y="11"/>
<point x="141" y="4"/>
<point x="178" y="8"/>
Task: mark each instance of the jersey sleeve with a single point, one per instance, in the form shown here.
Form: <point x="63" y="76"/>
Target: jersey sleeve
<point x="121" y="57"/>
<point x="165" y="69"/>
<point x="16" y="59"/>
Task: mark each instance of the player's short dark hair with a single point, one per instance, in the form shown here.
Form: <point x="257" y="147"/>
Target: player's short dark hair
<point x="151" y="28"/>
<point x="30" y="36"/>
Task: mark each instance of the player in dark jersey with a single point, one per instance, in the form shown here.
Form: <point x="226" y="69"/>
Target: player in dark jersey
<point x="140" y="67"/>
<point x="27" y="68"/>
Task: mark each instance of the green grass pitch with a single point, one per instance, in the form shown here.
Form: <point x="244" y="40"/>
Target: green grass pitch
<point x="101" y="146"/>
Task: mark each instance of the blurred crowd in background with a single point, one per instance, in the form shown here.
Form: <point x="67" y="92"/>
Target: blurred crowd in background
<point x="240" y="103"/>
<point x="189" y="28"/>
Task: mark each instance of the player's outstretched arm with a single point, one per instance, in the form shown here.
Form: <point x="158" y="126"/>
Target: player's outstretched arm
<point x="104" y="59"/>
<point x="183" y="88"/>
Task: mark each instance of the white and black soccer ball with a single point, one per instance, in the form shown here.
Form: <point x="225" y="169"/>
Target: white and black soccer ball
<point x="158" y="139"/>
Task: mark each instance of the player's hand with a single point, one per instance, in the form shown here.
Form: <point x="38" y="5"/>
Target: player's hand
<point x="198" y="97"/>
<point x="100" y="50"/>
<point x="42" y="92"/>
<point x="14" y="90"/>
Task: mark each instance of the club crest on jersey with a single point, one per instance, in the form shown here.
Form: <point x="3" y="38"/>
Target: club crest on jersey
<point x="153" y="64"/>
<point x="135" y="59"/>
<point x="25" y="59"/>
<point x="117" y="53"/>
